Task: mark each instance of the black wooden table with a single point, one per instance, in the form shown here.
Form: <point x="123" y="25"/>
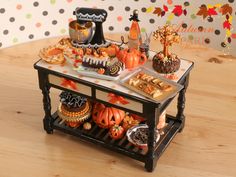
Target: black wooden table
<point x="61" y="77"/>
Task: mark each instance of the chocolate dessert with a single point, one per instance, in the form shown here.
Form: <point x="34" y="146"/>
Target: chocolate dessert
<point x="164" y="61"/>
<point x="71" y="102"/>
<point x="166" y="65"/>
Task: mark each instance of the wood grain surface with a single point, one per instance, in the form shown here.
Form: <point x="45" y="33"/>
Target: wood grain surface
<point x="207" y="146"/>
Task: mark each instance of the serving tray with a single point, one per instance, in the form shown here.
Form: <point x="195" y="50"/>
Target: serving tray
<point x="175" y="88"/>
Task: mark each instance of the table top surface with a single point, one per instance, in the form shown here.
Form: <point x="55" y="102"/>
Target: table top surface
<point x="205" y="148"/>
<point x="66" y="69"/>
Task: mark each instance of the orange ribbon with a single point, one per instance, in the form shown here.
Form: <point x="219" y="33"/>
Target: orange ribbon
<point x="117" y="99"/>
<point x="68" y="83"/>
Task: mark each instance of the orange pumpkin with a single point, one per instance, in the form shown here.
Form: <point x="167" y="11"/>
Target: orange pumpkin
<point x="116" y="132"/>
<point x="131" y="57"/>
<point x="106" y="117"/>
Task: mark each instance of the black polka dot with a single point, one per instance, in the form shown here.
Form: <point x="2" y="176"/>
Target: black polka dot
<point x="152" y="20"/>
<point x="153" y="1"/>
<point x="229" y="40"/>
<point x="136" y="0"/>
<point x="207" y="41"/>
<point x="45" y="13"/>
<point x="22" y="28"/>
<point x="61" y="11"/>
<point x="186" y="3"/>
<point x="111" y="28"/>
<point x="143" y="9"/>
<point x="217" y="32"/>
<point x="47" y="33"/>
<point x="210" y="19"/>
<point x="111" y="8"/>
<point x="5" y="32"/>
<point x="0" y="44"/>
<point x="223" y="44"/>
<point x="54" y="22"/>
<point x="35" y="4"/>
<point x="127" y="8"/>
<point x="2" y="10"/>
<point x="12" y="19"/>
<point x="230" y="1"/>
<point x="126" y="28"/>
<point x="200" y="28"/>
<point x="184" y="25"/>
<point x="31" y="36"/>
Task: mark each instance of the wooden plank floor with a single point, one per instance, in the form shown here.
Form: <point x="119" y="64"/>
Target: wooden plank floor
<point x="207" y="147"/>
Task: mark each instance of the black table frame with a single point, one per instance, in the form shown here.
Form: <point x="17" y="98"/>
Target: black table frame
<point x="151" y="112"/>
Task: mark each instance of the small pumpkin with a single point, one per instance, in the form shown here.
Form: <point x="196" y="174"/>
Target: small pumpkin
<point x="131" y="57"/>
<point x="106" y="117"/>
<point x="117" y="132"/>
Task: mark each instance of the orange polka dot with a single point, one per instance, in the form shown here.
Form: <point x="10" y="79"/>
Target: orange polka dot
<point x="49" y="67"/>
<point x="38" y="25"/>
<point x="119" y="18"/>
<point x="18" y="6"/>
<point x="70" y="20"/>
<point x="69" y="1"/>
<point x="65" y="71"/>
<point x="169" y="2"/>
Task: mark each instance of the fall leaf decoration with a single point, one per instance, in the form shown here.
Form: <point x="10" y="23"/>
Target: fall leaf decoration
<point x="161" y="12"/>
<point x="178" y="11"/>
<point x="212" y="11"/>
<point x="227" y="24"/>
<point x="226" y="9"/>
<point x="204" y="12"/>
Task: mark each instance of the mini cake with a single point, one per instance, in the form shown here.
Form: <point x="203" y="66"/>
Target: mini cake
<point x="165" y="62"/>
<point x="94" y="59"/>
<point x="74" y="109"/>
<point x="102" y="62"/>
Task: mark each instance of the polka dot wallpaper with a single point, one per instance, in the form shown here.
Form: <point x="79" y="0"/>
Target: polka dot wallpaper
<point x="204" y="22"/>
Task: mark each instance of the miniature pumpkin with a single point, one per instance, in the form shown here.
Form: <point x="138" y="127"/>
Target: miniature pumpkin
<point x="106" y="117"/>
<point x="129" y="122"/>
<point x="131" y="57"/>
<point x="116" y="132"/>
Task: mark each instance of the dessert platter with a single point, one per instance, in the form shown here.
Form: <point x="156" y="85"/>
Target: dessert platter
<point x="147" y="83"/>
<point x="114" y="93"/>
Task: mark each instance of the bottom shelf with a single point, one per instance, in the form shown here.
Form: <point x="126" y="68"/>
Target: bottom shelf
<point x="101" y="137"/>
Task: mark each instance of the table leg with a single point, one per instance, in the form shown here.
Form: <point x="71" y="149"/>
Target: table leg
<point x="48" y="120"/>
<point x="151" y="113"/>
<point x="181" y="103"/>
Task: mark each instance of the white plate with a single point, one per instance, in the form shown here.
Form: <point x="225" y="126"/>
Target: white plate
<point x="134" y="128"/>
